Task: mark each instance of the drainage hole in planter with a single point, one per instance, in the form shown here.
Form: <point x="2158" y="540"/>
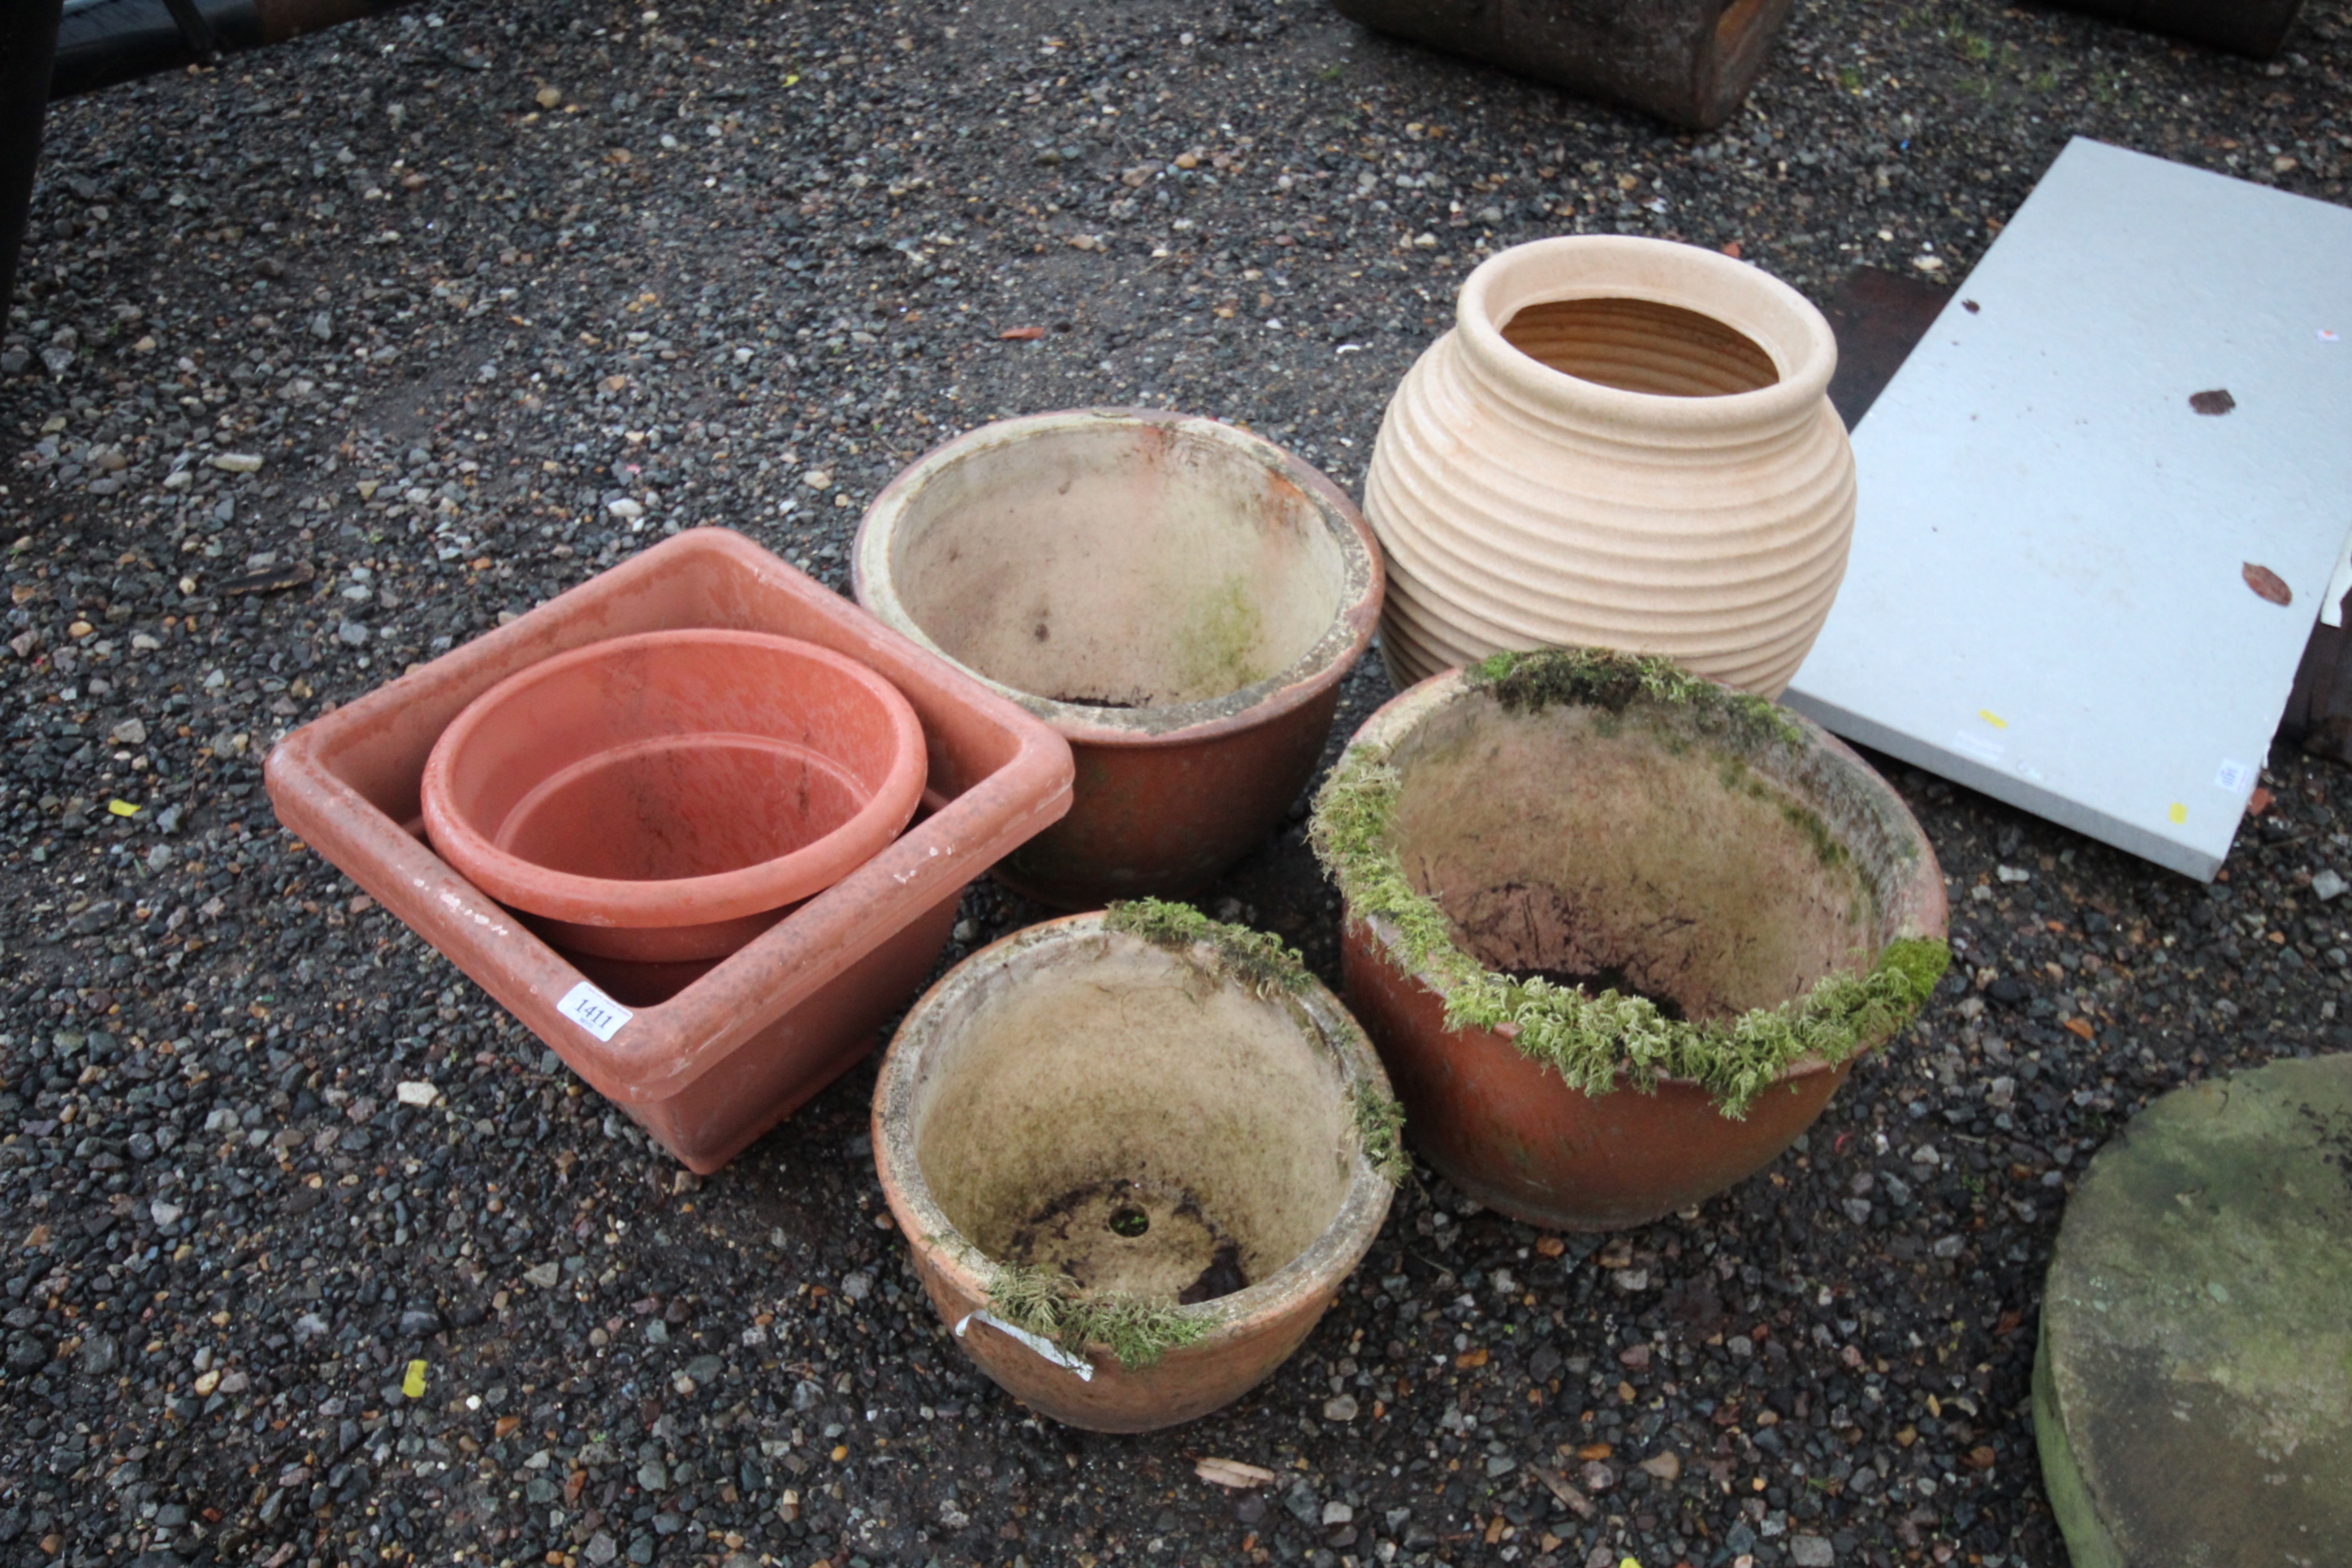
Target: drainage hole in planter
<point x="1146" y="1239"/>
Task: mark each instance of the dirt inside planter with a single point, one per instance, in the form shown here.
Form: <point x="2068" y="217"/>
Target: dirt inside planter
<point x="1630" y="853"/>
<point x="1119" y="568"/>
<point x="1105" y="1110"/>
<point x="1133" y="1239"/>
<point x="1640" y="346"/>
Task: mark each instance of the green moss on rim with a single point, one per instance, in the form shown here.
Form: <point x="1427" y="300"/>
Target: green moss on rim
<point x="1052" y="1306"/>
<point x="1613" y="681"/>
<point x="1264" y="967"/>
<point x="1594" y="1042"/>
<point x="1380" y="1128"/>
<point x="1255" y="958"/>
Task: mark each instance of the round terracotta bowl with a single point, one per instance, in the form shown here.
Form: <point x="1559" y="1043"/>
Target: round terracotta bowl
<point x="1134" y="1120"/>
<point x="663" y="798"/>
<point x="1179" y="598"/>
<point x="1644" y="851"/>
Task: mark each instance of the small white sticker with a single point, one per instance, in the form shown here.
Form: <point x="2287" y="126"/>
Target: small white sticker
<point x="593" y="1011"/>
<point x="2235" y="778"/>
<point x="1974" y="746"/>
<point x="1044" y="1347"/>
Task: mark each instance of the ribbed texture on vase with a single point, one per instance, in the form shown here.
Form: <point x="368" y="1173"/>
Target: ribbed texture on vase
<point x="1675" y="494"/>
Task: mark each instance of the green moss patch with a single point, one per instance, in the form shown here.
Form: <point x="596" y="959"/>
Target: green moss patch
<point x="1613" y="682"/>
<point x="1265" y="968"/>
<point x="1597" y="1041"/>
<point x="1053" y="1307"/>
<point x="1379" y="1126"/>
<point x="1218" y="648"/>
<point x="1255" y="958"/>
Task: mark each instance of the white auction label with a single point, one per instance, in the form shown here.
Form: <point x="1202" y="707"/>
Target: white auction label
<point x="593" y="1011"/>
<point x="2234" y="776"/>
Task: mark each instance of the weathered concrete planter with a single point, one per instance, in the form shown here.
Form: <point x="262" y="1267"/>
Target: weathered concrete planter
<point x="1585" y="919"/>
<point x="2194" y="1324"/>
<point x="1166" y="1153"/>
<point x="1686" y="61"/>
<point x="2256" y="27"/>
<point x="1176" y="598"/>
<point x="1622" y="443"/>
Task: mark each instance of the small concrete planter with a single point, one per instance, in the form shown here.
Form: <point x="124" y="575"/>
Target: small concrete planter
<point x="2256" y="27"/>
<point x="1134" y="1156"/>
<point x="1625" y="443"/>
<point x="1618" y="932"/>
<point x="1178" y="598"/>
<point x="1689" y="62"/>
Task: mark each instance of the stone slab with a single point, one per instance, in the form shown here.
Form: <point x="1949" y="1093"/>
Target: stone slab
<point x="2048" y="595"/>
<point x="2192" y="1392"/>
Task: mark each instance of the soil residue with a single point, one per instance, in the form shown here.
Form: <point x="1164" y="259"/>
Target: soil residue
<point x="1150" y="1239"/>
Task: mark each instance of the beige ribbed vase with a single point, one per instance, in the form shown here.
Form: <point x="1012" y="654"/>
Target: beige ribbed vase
<point x="1625" y="443"/>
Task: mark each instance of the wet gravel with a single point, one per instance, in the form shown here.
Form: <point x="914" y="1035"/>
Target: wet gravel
<point x="333" y="357"/>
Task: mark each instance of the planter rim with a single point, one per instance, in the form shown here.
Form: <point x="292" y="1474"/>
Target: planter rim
<point x="1787" y="326"/>
<point x="1920" y="904"/>
<point x="1331" y="1257"/>
<point x="1384" y="932"/>
<point x="874" y="585"/>
<point x="722" y="896"/>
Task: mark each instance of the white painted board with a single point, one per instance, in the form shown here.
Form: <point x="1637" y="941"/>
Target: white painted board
<point x="2046" y="598"/>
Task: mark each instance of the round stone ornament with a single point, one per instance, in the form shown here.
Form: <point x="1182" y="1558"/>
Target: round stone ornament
<point x="2192" y="1394"/>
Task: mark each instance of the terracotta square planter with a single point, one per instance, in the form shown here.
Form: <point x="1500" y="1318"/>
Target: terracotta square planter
<point x="740" y="1048"/>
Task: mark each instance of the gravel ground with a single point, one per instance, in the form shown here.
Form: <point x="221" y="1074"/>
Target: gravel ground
<point x="333" y="357"/>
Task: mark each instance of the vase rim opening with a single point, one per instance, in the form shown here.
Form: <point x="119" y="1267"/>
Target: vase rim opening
<point x="1733" y="318"/>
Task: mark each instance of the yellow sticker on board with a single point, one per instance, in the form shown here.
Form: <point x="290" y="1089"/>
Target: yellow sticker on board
<point x="2179" y="814"/>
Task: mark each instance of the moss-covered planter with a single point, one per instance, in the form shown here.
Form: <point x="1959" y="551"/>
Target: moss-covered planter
<point x="1134" y="1154"/>
<point x="1618" y="932"/>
